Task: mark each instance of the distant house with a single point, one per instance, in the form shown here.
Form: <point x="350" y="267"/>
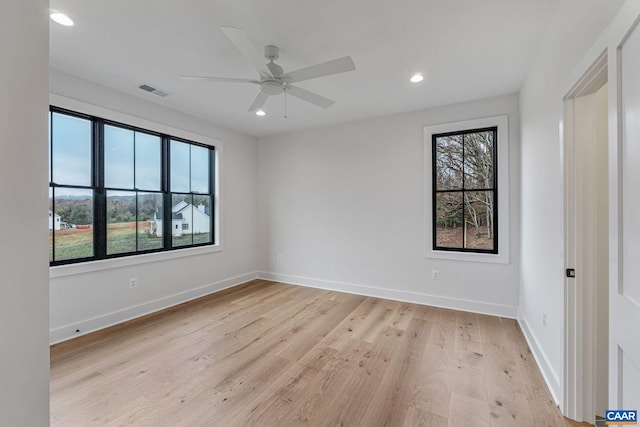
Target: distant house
<point x="185" y="219"/>
<point x="55" y="221"/>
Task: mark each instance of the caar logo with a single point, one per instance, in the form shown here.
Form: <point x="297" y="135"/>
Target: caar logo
<point x="621" y="417"/>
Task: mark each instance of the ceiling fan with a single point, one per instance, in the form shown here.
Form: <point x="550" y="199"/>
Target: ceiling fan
<point x="273" y="80"/>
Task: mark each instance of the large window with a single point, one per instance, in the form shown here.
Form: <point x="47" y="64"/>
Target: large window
<point x="112" y="187"/>
<point x="467" y="190"/>
<point x="465" y="193"/>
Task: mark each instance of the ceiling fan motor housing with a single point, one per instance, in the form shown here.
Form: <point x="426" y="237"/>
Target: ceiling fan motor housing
<point x="272" y="87"/>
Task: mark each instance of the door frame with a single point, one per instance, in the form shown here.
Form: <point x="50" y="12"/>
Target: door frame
<point x="624" y="314"/>
<point x="579" y="372"/>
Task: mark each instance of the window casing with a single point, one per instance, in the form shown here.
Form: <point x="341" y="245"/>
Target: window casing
<point x="478" y="247"/>
<point x="110" y="188"/>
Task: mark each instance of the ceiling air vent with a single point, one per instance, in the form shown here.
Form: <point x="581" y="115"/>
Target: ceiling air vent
<point x="153" y="90"/>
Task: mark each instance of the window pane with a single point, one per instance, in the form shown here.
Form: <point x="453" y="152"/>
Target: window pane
<point x="199" y="169"/>
<point x="449" y="162"/>
<point x="149" y="221"/>
<point x="121" y="222"/>
<point x="478" y="160"/>
<point x="180" y="170"/>
<point x="118" y="157"/>
<point x="74" y="238"/>
<point x="201" y="219"/>
<point x="148" y="161"/>
<point x="71" y="147"/>
<point x="182" y="220"/>
<point x="449" y="220"/>
<point x="479" y="219"/>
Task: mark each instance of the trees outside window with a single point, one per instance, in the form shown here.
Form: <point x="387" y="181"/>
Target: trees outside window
<point x="465" y="193"/>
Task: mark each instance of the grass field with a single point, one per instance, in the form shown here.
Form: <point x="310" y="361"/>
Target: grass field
<point x="121" y="238"/>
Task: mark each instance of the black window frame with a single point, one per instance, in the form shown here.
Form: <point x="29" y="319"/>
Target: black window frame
<point x="462" y="190"/>
<point x="100" y="191"/>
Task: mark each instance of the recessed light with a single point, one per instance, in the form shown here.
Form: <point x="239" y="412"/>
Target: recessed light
<point x="416" y="78"/>
<point x="61" y="19"/>
<point x="260" y="113"/>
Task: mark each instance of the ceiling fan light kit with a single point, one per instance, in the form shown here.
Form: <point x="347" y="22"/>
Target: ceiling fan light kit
<point x="272" y="87"/>
<point x="273" y="81"/>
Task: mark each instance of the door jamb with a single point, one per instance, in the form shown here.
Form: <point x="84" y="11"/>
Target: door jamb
<point x="576" y="373"/>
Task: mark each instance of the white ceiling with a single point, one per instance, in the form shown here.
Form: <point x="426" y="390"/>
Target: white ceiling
<point x="467" y="49"/>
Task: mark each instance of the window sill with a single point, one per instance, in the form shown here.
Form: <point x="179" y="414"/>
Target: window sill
<point x="467" y="256"/>
<point x="106" y="264"/>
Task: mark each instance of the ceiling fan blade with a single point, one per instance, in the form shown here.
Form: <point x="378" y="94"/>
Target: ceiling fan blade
<point x="259" y="101"/>
<point x="241" y="41"/>
<point x="328" y="68"/>
<point x="218" y="79"/>
<point x="275" y="69"/>
<point x="311" y="97"/>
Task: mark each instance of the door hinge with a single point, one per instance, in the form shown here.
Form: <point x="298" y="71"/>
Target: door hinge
<point x="571" y="272"/>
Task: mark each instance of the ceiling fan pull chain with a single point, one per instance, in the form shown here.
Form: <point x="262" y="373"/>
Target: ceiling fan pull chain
<point x="285" y="103"/>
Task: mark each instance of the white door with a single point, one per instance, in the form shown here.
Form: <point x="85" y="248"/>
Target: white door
<point x="624" y="210"/>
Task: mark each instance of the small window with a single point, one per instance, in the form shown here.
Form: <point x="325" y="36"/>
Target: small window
<point x="185" y="227"/>
<point x="465" y="194"/>
<point x="467" y="190"/>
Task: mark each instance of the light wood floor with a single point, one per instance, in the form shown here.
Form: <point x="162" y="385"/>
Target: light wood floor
<point x="270" y="354"/>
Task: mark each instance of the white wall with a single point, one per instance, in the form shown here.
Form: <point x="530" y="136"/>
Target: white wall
<point x="343" y="206"/>
<point x="575" y="28"/>
<point x="92" y="300"/>
<point x="24" y="285"/>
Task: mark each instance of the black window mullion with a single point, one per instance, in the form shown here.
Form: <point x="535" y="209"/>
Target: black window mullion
<point x="53" y="223"/>
<point x="434" y="190"/>
<point x="166" y="188"/>
<point x="53" y="190"/>
<point x="212" y="193"/>
<point x="50" y="147"/>
<point x="135" y="187"/>
<point x="494" y="159"/>
<point x="464" y="197"/>
<point x="100" y="194"/>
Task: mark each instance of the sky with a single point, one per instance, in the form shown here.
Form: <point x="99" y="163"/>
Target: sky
<point x="72" y="153"/>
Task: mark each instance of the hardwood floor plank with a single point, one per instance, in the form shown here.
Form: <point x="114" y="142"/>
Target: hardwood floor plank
<point x="270" y="354"/>
<point x="417" y="418"/>
<point x="433" y="384"/>
<point x="467" y="411"/>
<point x="276" y="401"/>
<point x="468" y="374"/>
<point x="396" y="389"/>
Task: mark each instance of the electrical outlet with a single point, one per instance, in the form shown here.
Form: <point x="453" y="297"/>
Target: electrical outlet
<point x="279" y="257"/>
<point x="435" y="274"/>
<point x="544" y="319"/>
<point x="133" y="282"/>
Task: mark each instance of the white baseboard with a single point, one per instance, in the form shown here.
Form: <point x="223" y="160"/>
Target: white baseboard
<point x="548" y="373"/>
<point x="393" y="294"/>
<point x="86" y="326"/>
